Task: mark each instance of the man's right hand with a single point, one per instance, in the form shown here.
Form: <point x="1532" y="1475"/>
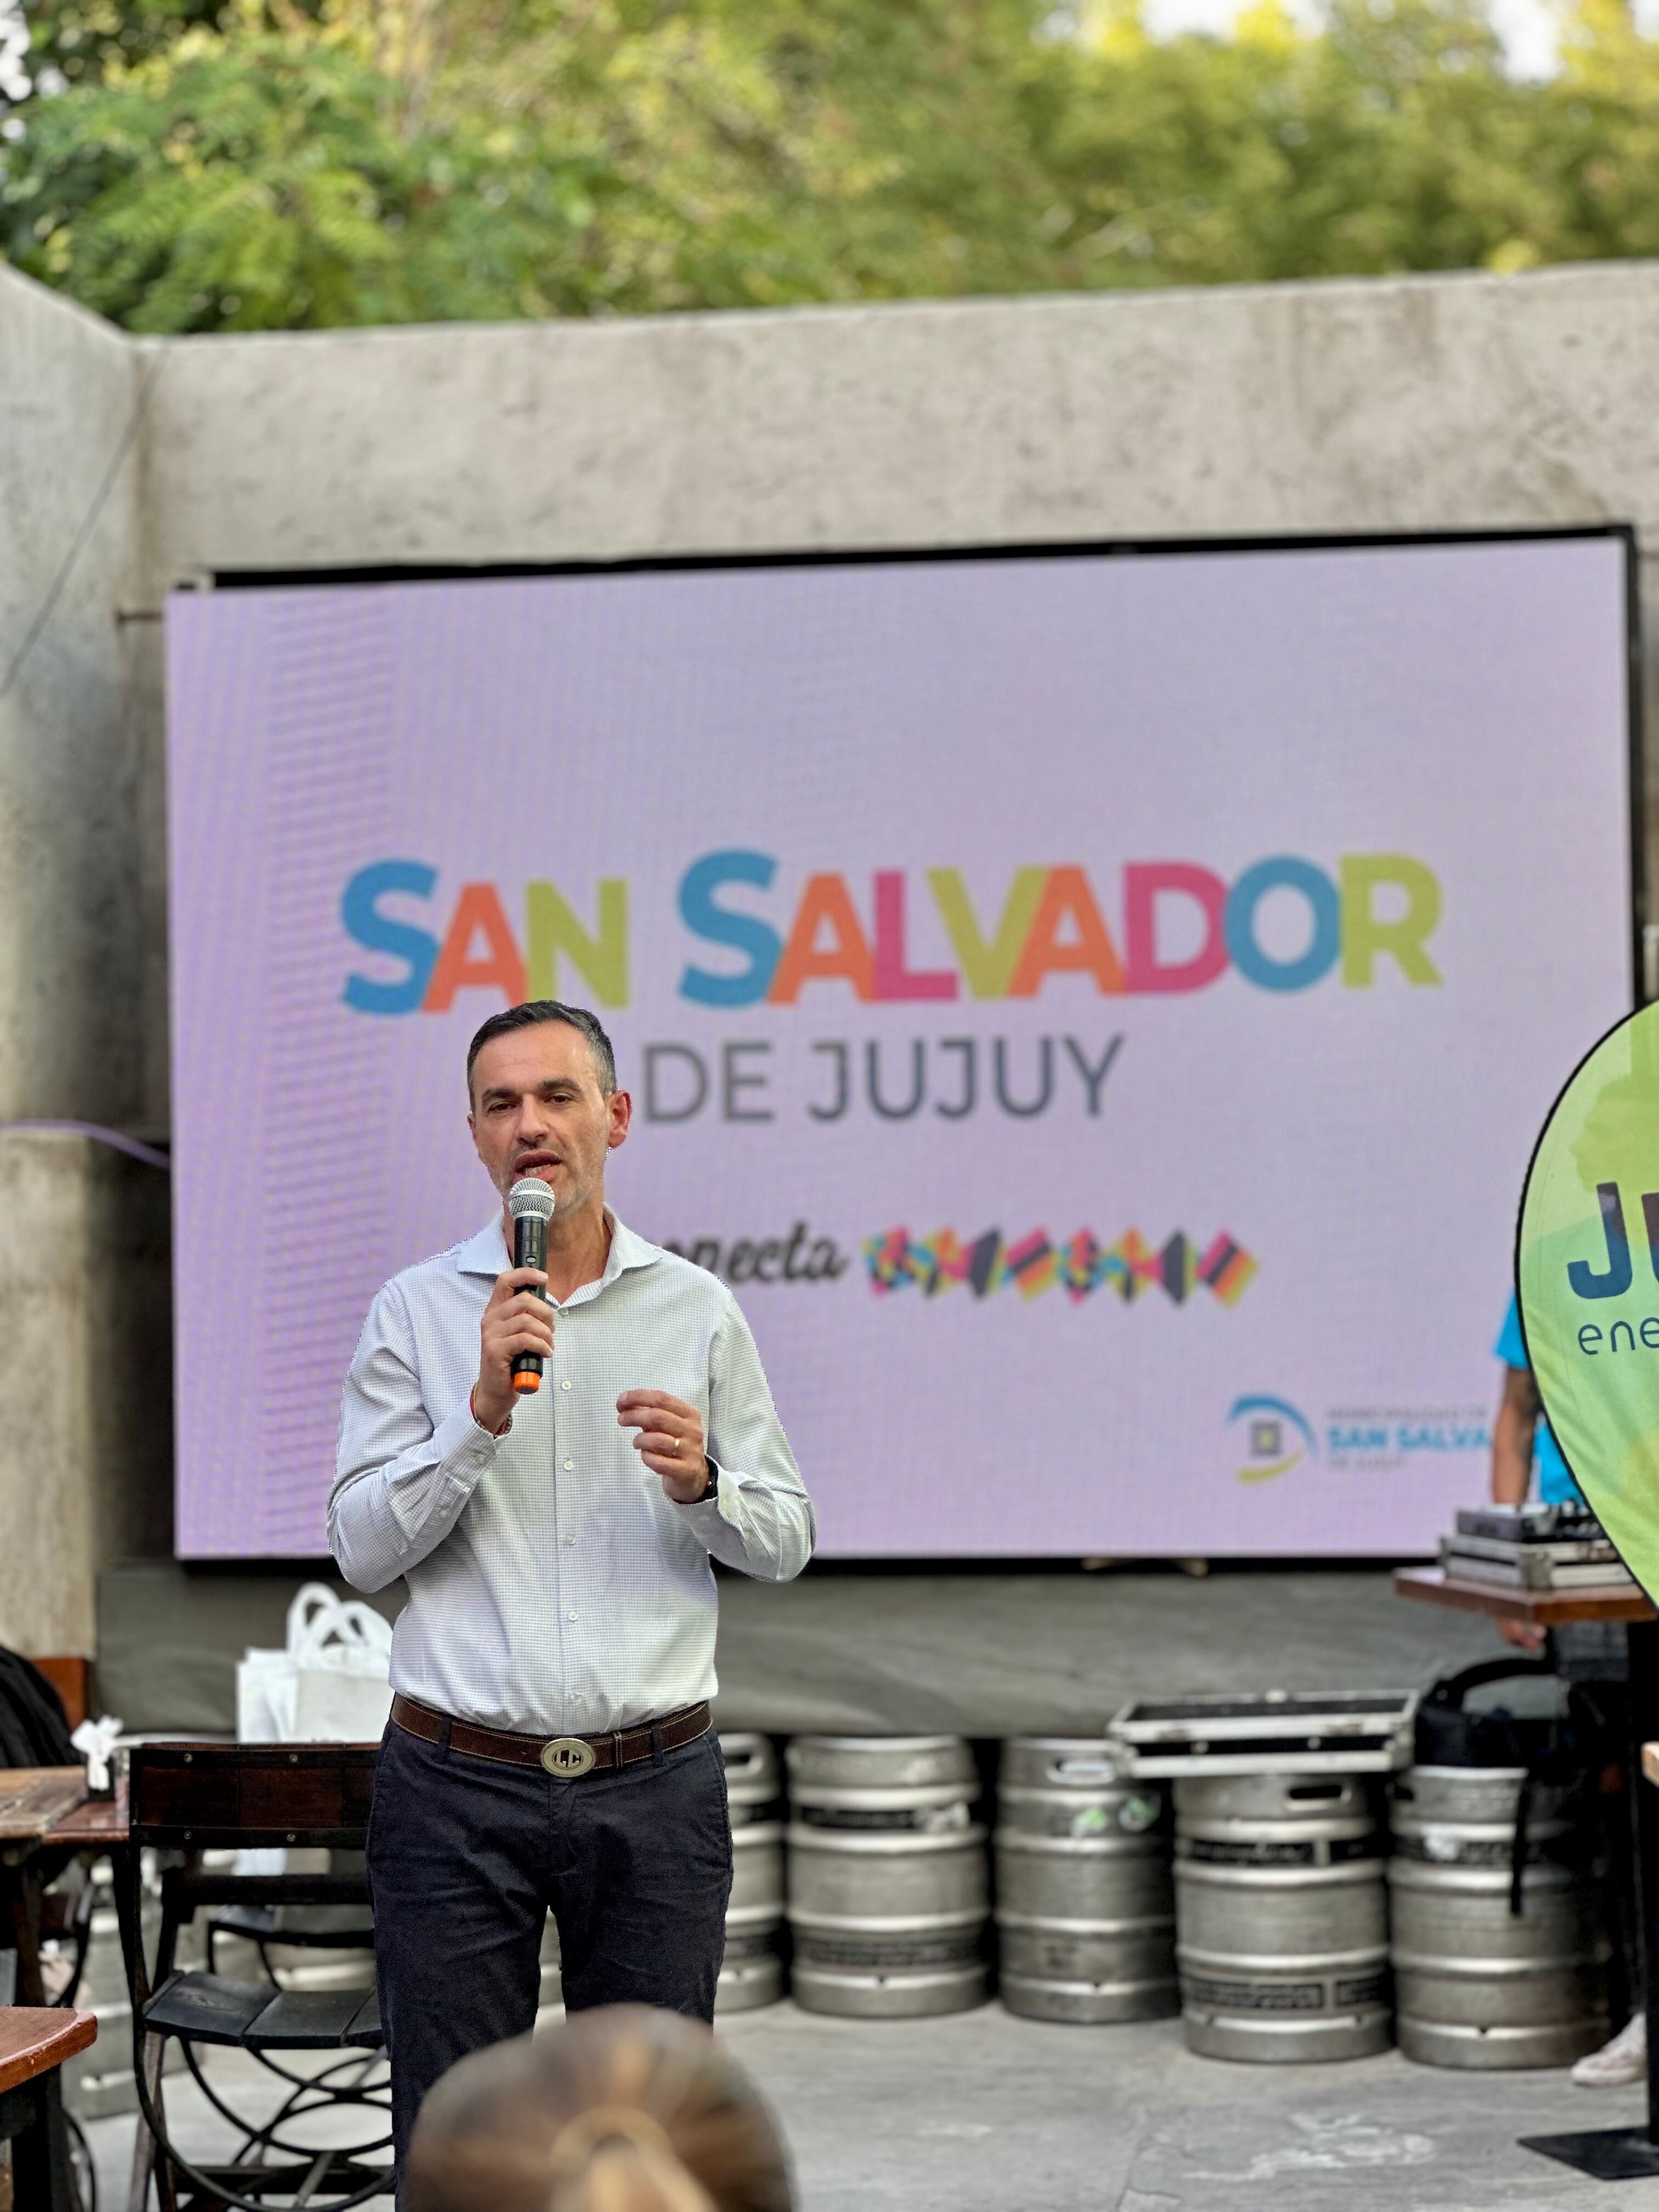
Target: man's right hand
<point x="514" y="1321"/>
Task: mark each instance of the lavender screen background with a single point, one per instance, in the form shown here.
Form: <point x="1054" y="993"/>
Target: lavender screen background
<point x="1463" y="703"/>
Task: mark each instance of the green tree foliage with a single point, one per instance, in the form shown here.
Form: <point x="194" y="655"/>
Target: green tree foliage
<point x="1393" y="141"/>
<point x="80" y="42"/>
<point x="772" y="151"/>
<point x="263" y="181"/>
<point x="209" y="164"/>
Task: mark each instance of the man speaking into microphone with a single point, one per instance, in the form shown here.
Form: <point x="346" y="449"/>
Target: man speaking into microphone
<point x="551" y="1744"/>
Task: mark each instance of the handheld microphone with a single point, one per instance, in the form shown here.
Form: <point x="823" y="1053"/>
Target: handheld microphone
<point x="530" y="1202"/>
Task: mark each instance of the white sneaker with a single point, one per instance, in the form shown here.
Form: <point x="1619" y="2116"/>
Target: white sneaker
<point x="1619" y="2063"/>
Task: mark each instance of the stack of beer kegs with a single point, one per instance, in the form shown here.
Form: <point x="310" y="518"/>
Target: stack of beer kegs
<point x="889" y="1888"/>
<point x="1499" y="1943"/>
<point x="1282" y="1916"/>
<point x="1085" y="1906"/>
<point x="1495" y="1965"/>
<point x="752" y="1972"/>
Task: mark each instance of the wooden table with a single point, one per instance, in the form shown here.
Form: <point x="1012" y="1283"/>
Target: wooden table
<point x="96" y="1824"/>
<point x="44" y="1810"/>
<point x="1539" y="1608"/>
<point x="34" y="2041"/>
<point x="1607" y="2153"/>
<point x="32" y="1798"/>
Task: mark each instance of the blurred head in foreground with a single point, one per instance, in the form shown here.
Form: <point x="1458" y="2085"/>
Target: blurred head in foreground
<point x="623" y="2109"/>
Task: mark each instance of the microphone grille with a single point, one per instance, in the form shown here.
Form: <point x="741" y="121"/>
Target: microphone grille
<point x="530" y="1195"/>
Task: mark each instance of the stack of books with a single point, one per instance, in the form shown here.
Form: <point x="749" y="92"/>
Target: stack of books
<point x="1560" y="1548"/>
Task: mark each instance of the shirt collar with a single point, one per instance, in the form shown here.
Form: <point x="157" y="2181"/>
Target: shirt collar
<point x="486" y="1254"/>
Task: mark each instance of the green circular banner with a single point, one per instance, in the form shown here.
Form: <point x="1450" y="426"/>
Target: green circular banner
<point x="1587" y="1273"/>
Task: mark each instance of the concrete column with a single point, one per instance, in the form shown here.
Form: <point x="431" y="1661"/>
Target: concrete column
<point x="86" y="1379"/>
<point x="85" y="1352"/>
<point x="70" y="940"/>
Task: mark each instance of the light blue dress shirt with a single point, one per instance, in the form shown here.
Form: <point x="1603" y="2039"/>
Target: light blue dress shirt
<point x="554" y="1588"/>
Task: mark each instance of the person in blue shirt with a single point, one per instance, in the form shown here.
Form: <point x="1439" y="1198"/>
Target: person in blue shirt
<point x="1523" y="1443"/>
<point x="1522" y="1446"/>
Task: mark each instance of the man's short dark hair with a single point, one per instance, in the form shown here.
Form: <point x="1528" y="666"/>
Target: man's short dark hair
<point x="530" y="1016"/>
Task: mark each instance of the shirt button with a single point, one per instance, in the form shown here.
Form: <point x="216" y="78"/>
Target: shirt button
<point x="569" y="1539"/>
<point x="570" y="1465"/>
<point x="565" y="1385"/>
<point x="570" y="1616"/>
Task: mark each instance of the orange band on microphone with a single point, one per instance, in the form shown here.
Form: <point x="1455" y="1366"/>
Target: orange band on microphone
<point x="526" y="1382"/>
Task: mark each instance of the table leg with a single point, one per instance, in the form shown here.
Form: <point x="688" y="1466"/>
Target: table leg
<point x="40" y="2149"/>
<point x="25" y="1886"/>
<point x="1632" y="2153"/>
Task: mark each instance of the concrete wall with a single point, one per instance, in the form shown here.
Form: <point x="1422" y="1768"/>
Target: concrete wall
<point x="1434" y="403"/>
<point x="85" y="1391"/>
<point x="1466" y="402"/>
<point x="1428" y="404"/>
<point x="1445" y="403"/>
<point x="72" y="1038"/>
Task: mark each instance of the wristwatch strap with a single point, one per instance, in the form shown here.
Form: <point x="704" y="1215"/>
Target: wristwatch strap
<point x="712" y="1490"/>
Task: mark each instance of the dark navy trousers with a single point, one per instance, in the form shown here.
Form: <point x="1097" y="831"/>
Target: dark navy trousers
<point x="466" y="1858"/>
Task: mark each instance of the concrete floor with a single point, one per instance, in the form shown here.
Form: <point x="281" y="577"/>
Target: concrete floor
<point x="987" y="2113"/>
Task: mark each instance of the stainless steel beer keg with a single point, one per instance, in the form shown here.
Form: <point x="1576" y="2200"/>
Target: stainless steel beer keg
<point x="1085" y="1901"/>
<point x="888" y="1882"/>
<point x="1479" y="1986"/>
<point x="751" y="1972"/>
<point x="1281" y="1917"/>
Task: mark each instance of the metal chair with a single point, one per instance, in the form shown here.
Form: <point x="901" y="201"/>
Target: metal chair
<point x="191" y="1797"/>
<point x="318" y="1927"/>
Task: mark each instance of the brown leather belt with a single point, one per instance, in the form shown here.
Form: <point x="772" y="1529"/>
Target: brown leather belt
<point x="570" y="1757"/>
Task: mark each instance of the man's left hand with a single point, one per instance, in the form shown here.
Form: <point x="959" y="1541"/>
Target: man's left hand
<point x="670" y="1441"/>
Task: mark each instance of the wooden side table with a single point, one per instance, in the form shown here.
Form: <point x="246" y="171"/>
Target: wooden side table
<point x="34" y="2041"/>
<point x="1539" y="1608"/>
<point x="1605" y="2153"/>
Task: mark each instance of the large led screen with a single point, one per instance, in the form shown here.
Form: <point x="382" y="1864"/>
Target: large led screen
<point x="1094" y="1009"/>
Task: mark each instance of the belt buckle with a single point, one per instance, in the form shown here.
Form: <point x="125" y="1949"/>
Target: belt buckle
<point x="568" y="1757"/>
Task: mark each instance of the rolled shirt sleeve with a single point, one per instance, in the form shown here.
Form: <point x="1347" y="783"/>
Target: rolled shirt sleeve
<point x="401" y="1483"/>
<point x="760" y="1519"/>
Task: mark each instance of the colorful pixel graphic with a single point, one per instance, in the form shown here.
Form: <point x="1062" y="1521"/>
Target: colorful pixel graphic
<point x="1035" y="1264"/>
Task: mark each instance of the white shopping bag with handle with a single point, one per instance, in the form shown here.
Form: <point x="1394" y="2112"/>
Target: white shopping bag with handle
<point x="328" y="1684"/>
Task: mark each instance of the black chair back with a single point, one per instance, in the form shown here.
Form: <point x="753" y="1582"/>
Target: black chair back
<point x="219" y="1797"/>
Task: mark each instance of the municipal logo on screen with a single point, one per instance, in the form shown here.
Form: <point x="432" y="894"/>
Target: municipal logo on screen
<point x="1275" y="1436"/>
